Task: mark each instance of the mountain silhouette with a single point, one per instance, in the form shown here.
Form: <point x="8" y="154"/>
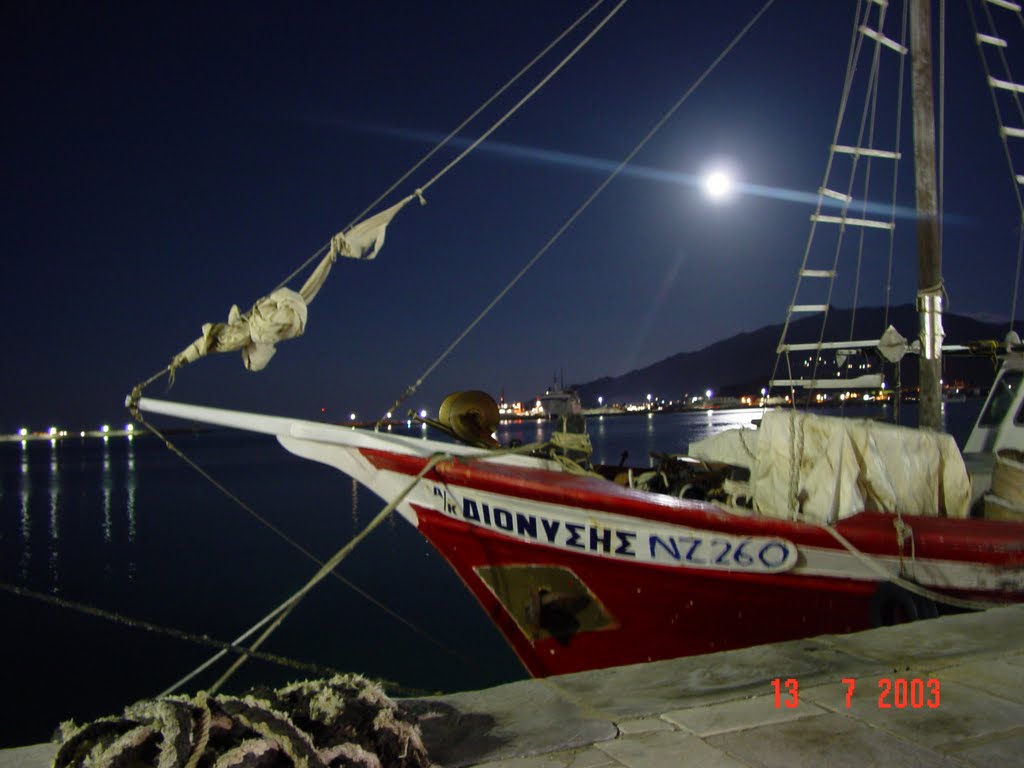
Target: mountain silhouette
<point x="742" y="364"/>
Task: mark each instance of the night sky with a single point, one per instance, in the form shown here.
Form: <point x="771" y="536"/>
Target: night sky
<point x="163" y="161"/>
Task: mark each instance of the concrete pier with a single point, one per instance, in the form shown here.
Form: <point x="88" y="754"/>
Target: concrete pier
<point x="945" y="692"/>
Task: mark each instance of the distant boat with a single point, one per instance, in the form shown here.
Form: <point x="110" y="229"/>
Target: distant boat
<point x="557" y="402"/>
<point x="581" y="567"/>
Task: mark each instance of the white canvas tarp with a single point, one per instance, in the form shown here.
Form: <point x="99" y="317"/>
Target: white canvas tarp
<point x="823" y="468"/>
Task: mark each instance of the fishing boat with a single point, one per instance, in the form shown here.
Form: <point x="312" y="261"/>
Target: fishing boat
<point x="808" y="525"/>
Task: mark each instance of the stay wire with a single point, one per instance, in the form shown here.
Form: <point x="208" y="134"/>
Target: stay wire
<point x="473" y="115"/>
<point x="458" y="129"/>
<point x="529" y="95"/>
<point x="412" y="388"/>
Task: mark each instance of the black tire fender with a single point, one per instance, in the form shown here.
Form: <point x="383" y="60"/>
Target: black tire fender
<point x="892" y="604"/>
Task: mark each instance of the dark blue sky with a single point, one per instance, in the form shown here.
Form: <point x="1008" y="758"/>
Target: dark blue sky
<point x="163" y="161"/>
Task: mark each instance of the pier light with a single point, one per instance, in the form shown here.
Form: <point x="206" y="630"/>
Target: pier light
<point x="105" y="428"/>
<point x="82" y="433"/>
<point x="600" y="400"/>
<point x="388" y="415"/>
<point x="129" y="428"/>
<point x="709" y="394"/>
<point x="351" y="417"/>
<point x="52" y="431"/>
<point x="648" y="397"/>
<point x="23" y="432"/>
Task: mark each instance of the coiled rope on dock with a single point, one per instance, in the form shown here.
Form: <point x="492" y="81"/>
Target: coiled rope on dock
<point x="344" y="721"/>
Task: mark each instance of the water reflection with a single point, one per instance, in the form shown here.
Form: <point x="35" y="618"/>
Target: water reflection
<point x="24" y="494"/>
<point x="355" y="503"/>
<point x="107" y="485"/>
<point x="704" y="424"/>
<point x="130" y="505"/>
<point x="130" y="488"/>
<point x="54" y="561"/>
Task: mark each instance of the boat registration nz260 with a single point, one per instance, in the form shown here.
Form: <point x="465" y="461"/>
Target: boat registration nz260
<point x="619" y="537"/>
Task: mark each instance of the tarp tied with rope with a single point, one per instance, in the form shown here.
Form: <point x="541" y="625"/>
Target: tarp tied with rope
<point x="282" y="314"/>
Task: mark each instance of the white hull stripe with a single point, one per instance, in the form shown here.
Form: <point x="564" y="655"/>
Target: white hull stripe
<point x="600" y="534"/>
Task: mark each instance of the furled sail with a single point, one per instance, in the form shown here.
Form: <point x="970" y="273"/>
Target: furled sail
<point x="825" y="468"/>
<point x="282" y="314"/>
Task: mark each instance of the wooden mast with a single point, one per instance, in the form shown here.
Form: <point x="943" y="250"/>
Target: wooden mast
<point x="929" y="253"/>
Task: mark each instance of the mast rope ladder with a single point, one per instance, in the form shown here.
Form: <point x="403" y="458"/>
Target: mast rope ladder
<point x="854" y="217"/>
<point x="993" y="45"/>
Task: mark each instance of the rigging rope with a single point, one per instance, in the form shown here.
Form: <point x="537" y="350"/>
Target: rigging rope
<point x="851" y="68"/>
<point x="891" y="261"/>
<point x="412" y="388"/>
<point x="281" y="612"/>
<point x="169" y="369"/>
<point x="453" y="133"/>
<point x="530" y="94"/>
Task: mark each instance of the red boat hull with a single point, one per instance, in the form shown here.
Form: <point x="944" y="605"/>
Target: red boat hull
<point x="652" y="611"/>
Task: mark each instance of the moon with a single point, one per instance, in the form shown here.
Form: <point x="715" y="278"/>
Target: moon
<point x="718" y="185"/>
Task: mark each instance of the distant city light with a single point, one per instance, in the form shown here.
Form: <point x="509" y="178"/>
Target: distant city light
<point x="23" y="431"/>
<point x="600" y="400"/>
<point x="53" y="431"/>
<point x="351" y="417"/>
<point x="82" y="433"/>
<point x="129" y="428"/>
<point x="648" y="397"/>
<point x="709" y="394"/>
<point x="388" y="416"/>
<point x="423" y="413"/>
<point x="105" y="428"/>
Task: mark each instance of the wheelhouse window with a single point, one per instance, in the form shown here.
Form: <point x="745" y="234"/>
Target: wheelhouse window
<point x="1003" y="394"/>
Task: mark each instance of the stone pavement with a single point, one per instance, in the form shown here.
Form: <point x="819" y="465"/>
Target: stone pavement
<point x="955" y="697"/>
<point x="720" y="710"/>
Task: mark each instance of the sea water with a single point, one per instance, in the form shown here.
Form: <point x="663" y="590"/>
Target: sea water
<point x="124" y="526"/>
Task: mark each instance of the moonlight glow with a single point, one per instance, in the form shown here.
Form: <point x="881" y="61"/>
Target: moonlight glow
<point x="718" y="185"/>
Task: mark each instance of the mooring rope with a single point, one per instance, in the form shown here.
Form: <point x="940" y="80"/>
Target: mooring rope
<point x="910" y="586"/>
<point x="178" y="634"/>
<point x="290" y="541"/>
<point x="289" y="605"/>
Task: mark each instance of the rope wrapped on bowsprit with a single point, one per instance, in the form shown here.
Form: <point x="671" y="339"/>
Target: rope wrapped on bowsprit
<point x="282" y="314"/>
